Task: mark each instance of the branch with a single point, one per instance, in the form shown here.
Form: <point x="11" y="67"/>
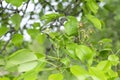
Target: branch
<point x="68" y="10"/>
<point x="7" y="42"/>
<point x="25" y="8"/>
<point x="11" y="31"/>
<point x="49" y="4"/>
<point x="5" y="45"/>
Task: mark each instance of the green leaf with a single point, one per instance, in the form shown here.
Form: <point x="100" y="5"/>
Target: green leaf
<point x="25" y="0"/>
<point x="4" y="78"/>
<point x="40" y="56"/>
<point x="85" y="54"/>
<point x="66" y="61"/>
<point x="33" y="33"/>
<point x="103" y="54"/>
<point x="2" y="60"/>
<point x="36" y="24"/>
<point x="106" y="43"/>
<point x="92" y="5"/>
<point x="32" y="74"/>
<point x="16" y="19"/>
<point x="3" y="30"/>
<point x="112" y="73"/>
<point x="21" y="57"/>
<point x="79" y="72"/>
<point x="50" y="17"/>
<point x="94" y="20"/>
<point x="113" y="59"/>
<point x="96" y="73"/>
<point x="36" y="47"/>
<point x="14" y="2"/>
<point x="41" y="38"/>
<point x="27" y="66"/>
<point x="71" y="50"/>
<point x="40" y="65"/>
<point x="17" y="39"/>
<point x="71" y="26"/>
<point x="105" y="40"/>
<point x="57" y="76"/>
<point x="104" y="66"/>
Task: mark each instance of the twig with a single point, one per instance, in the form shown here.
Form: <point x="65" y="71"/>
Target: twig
<point x="68" y="10"/>
<point x="25" y="8"/>
<point x="7" y="42"/>
<point x="5" y="45"/>
<point x="1" y="3"/>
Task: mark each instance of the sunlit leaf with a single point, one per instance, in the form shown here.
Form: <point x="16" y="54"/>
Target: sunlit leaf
<point x="95" y="21"/>
<point x="113" y="59"/>
<point x="104" y="66"/>
<point x="92" y="5"/>
<point x="79" y="72"/>
<point x="15" y="3"/>
<point x="3" y="30"/>
<point x="4" y="78"/>
<point x="17" y="39"/>
<point x="112" y="73"/>
<point x="32" y="74"/>
<point x="66" y="61"/>
<point x="16" y="19"/>
<point x="50" y="17"/>
<point x="2" y="61"/>
<point x="71" y="26"/>
<point x="85" y="54"/>
<point x="21" y="57"/>
<point x="36" y="24"/>
<point x="40" y="56"/>
<point x="97" y="73"/>
<point x="36" y="47"/>
<point x="33" y="32"/>
<point x="57" y="76"/>
<point x="71" y="50"/>
<point x="106" y="40"/>
<point x="41" y="38"/>
<point x="27" y="66"/>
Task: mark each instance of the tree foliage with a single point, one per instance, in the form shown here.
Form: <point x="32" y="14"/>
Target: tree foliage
<point x="59" y="40"/>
